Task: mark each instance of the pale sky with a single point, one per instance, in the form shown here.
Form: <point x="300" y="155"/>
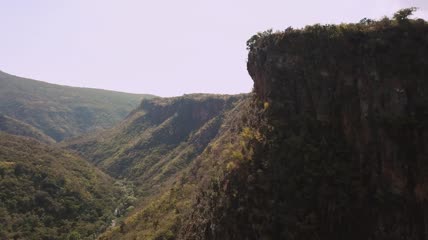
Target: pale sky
<point x="162" y="47"/>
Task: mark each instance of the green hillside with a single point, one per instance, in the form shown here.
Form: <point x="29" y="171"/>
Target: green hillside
<point x="49" y="193"/>
<point x="16" y="127"/>
<point x="60" y="111"/>
<point x="163" y="215"/>
<point x="158" y="139"/>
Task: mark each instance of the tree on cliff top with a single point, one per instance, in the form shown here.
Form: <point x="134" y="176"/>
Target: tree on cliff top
<point x="404" y="14"/>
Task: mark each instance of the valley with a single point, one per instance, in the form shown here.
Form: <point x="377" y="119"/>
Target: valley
<point x="330" y="144"/>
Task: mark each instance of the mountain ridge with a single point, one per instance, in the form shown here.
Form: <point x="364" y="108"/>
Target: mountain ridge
<point x="15" y="127"/>
<point x="162" y="133"/>
<point x="61" y="111"/>
<point x="5" y="74"/>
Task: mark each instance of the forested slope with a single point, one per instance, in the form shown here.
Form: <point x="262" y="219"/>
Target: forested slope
<point x="49" y="193"/>
<point x="16" y="127"/>
<point x="60" y="111"/>
<point x="158" y="139"/>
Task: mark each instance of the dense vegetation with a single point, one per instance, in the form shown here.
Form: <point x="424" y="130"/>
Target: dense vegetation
<point x="48" y="193"/>
<point x="158" y="139"/>
<point x="59" y="111"/>
<point x="16" y="127"/>
<point x="162" y="215"/>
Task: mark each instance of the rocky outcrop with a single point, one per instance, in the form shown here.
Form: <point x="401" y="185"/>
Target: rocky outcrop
<point x="361" y="94"/>
<point x="350" y="106"/>
<point x="339" y="142"/>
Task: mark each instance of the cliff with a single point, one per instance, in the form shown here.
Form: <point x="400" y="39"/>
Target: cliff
<point x="340" y="116"/>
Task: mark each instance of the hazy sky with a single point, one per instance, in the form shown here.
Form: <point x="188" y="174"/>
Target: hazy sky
<point x="161" y="47"/>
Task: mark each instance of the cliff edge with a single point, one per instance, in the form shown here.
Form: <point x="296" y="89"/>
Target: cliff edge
<point x="340" y="136"/>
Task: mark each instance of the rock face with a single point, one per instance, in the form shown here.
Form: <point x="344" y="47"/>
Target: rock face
<point x="338" y="138"/>
<point x="349" y="109"/>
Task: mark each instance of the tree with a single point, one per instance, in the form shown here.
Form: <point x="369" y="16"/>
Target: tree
<point x="253" y="40"/>
<point x="403" y="14"/>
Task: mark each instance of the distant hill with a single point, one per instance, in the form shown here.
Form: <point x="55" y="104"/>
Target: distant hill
<point x="49" y="193"/>
<point x="158" y="139"/>
<point x="16" y="127"/>
<point x="60" y="111"/>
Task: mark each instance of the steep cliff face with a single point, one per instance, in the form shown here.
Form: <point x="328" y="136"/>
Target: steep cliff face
<point x="342" y="118"/>
<point x="349" y="104"/>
